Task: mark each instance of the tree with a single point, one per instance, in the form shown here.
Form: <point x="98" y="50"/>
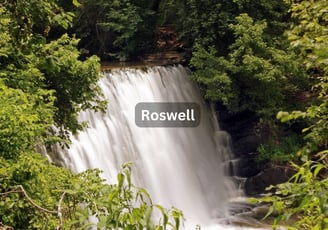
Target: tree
<point x="116" y="30"/>
<point x="29" y="201"/>
<point x="257" y="74"/>
<point x="239" y="53"/>
<point x="24" y="120"/>
<point x="74" y="82"/>
<point x="206" y="23"/>
<point x="202" y="22"/>
<point x="305" y="195"/>
<point x="44" y="83"/>
<point x="31" y="62"/>
<point x="27" y="110"/>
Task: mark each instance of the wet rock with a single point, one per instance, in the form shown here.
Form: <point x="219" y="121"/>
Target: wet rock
<point x="260" y="211"/>
<point x="242" y="128"/>
<point x="240" y="207"/>
<point x="246" y="136"/>
<point x="244" y="139"/>
<point x="245" y="167"/>
<point x="269" y="176"/>
<point x="246" y="144"/>
<point x="241" y="167"/>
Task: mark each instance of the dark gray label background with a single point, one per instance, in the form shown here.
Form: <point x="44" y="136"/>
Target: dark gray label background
<point x="167" y="107"/>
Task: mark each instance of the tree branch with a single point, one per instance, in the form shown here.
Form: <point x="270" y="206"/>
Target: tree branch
<point x="33" y="203"/>
<point x="59" y="211"/>
<point x="5" y="227"/>
<point x="4" y="2"/>
<point x="20" y="189"/>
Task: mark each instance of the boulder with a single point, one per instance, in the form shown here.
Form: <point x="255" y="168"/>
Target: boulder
<point x="269" y="176"/>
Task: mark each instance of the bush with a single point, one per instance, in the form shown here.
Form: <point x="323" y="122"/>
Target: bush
<point x="35" y="194"/>
<point x="280" y="151"/>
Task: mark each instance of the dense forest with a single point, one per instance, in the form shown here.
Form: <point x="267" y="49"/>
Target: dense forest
<point x="269" y="57"/>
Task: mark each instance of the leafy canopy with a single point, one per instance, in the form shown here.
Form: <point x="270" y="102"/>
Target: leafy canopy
<point x="24" y="120"/>
<point x="305" y="196"/>
<point x="256" y="75"/>
<point x="29" y="201"/>
<point x="44" y="83"/>
<point x="116" y="29"/>
<point x="33" y="63"/>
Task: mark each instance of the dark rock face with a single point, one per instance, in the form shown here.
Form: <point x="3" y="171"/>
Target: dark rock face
<point x="246" y="167"/>
<point x="246" y="137"/>
<point x="241" y="167"/>
<point x="271" y="176"/>
<point x="242" y="128"/>
<point x="245" y="140"/>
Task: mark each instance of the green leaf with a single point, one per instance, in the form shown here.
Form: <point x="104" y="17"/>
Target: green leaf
<point x="270" y="211"/>
<point x="317" y="168"/>
<point x="120" y="179"/>
<point x="76" y="3"/>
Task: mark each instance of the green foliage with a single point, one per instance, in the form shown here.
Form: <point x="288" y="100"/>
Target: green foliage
<point x="303" y="198"/>
<point x="316" y="134"/>
<point x="44" y="83"/>
<point x="305" y="195"/>
<point x="5" y="46"/>
<point x="274" y="12"/>
<point x="240" y="55"/>
<point x="73" y="81"/>
<point x="280" y="151"/>
<point x="217" y="85"/>
<point x="116" y="29"/>
<point x="207" y="22"/>
<point x="256" y="75"/>
<point x="43" y="183"/>
<point x="35" y="194"/>
<point x="24" y="120"/>
<point x="28" y="17"/>
<point x="201" y="22"/>
<point x="26" y="110"/>
<point x="310" y="36"/>
<point x="35" y="65"/>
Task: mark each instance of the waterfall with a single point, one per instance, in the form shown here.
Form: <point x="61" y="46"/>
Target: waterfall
<point x="180" y="167"/>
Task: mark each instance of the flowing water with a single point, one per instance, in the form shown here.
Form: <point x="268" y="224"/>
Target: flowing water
<point x="180" y="167"/>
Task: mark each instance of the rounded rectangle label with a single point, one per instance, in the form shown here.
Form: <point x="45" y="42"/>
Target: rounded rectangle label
<point x="167" y="114"/>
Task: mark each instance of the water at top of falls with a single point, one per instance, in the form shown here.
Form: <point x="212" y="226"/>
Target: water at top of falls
<point x="180" y="167"/>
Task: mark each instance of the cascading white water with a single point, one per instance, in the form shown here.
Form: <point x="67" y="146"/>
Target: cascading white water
<point x="180" y="167"/>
